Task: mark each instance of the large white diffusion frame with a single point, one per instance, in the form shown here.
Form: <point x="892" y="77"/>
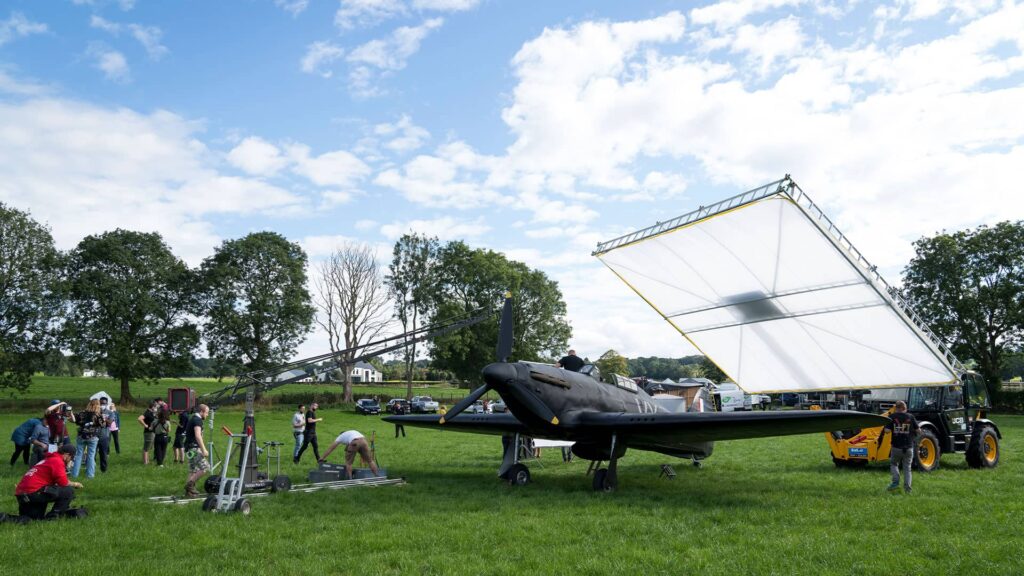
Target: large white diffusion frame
<point x="766" y="286"/>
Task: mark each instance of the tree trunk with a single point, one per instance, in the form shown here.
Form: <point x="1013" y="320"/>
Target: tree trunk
<point x="126" y="393"/>
<point x="347" y="397"/>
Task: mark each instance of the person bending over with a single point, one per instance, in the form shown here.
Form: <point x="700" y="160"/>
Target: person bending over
<point x="355" y="443"/>
<point x="47" y="482"/>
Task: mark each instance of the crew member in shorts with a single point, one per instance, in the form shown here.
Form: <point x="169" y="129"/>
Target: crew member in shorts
<point x="355" y="443"/>
<point x="195" y="449"/>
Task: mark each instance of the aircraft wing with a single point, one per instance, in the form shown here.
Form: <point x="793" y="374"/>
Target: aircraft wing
<point x="710" y="426"/>
<point x="497" y="424"/>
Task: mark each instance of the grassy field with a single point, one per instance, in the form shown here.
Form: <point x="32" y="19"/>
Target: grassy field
<point x="770" y="506"/>
<point x="48" y="387"/>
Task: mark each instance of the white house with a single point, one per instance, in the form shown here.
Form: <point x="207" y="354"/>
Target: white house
<point x="362" y="372"/>
<point x="365" y="372"/>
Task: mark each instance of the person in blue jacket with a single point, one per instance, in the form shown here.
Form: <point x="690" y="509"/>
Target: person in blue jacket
<point x="20" y="437"/>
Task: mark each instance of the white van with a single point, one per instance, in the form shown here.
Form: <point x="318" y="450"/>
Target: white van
<point x="730" y="398"/>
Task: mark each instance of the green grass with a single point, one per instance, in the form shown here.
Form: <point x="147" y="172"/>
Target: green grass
<point x="48" y="387"/>
<point x="766" y="506"/>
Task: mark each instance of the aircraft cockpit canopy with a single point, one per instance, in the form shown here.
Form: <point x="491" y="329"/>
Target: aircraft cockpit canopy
<point x="626" y="383"/>
<point x="591" y="370"/>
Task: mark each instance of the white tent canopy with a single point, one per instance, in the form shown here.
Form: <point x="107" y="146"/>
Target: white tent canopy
<point x="765" y="286"/>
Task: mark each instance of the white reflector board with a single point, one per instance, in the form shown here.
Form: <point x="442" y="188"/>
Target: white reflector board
<point x="766" y="288"/>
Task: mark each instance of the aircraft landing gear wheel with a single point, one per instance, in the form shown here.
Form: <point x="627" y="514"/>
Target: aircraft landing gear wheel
<point x="242" y="505"/>
<point x="210" y="503"/>
<point x="604" y="481"/>
<point x="519" y="475"/>
<point x="281" y="483"/>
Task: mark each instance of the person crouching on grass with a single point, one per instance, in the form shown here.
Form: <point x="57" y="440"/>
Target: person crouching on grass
<point x="47" y="482"/>
<point x="195" y="450"/>
<point x="354" y="443"/>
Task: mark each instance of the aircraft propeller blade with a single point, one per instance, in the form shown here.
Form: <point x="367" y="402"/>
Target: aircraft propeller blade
<point x="465" y="403"/>
<point x="534" y="404"/>
<point x="505" y="330"/>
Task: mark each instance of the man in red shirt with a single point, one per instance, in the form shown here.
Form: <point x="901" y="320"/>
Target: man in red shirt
<point x="47" y="482"/>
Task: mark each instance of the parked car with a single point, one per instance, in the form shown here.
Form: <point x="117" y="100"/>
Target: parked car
<point x="476" y="408"/>
<point x="498" y="406"/>
<point x="423" y="405"/>
<point x="367" y="406"/>
<point x="398" y="406"/>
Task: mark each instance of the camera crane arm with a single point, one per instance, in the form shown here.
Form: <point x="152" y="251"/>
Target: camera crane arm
<point x="250" y="383"/>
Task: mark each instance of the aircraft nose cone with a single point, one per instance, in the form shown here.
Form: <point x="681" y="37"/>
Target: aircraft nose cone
<point x="498" y="374"/>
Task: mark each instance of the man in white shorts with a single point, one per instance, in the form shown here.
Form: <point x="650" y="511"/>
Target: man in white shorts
<point x="355" y="443"/>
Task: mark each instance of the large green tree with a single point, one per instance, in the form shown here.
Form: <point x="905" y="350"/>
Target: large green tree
<point x="472" y="280"/>
<point x="131" y="307"/>
<point x="969" y="287"/>
<point x="29" y="298"/>
<point x="412" y="284"/>
<point x="611" y="362"/>
<point x="256" y="303"/>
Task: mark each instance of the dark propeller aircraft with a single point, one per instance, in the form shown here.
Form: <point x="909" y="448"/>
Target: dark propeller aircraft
<point x="605" y="416"/>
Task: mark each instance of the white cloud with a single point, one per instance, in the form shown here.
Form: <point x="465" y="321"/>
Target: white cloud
<point x="393" y="52"/>
<point x="19" y="87"/>
<point x="444" y="180"/>
<point x="332" y="198"/>
<point x="17" y="26"/>
<point x="112" y="63"/>
<point x="366" y="224"/>
<point x="125" y="5"/>
<point x="364" y="13"/>
<point x="257" y="157"/>
<point x="339" y="168"/>
<point x="148" y="36"/>
<point x="445" y="5"/>
<point x="293" y="7"/>
<point x="86" y="169"/>
<point x="317" y="247"/>
<point x="731" y="13"/>
<point x="319" y="56"/>
<point x="446" y="228"/>
<point x="402" y="136"/>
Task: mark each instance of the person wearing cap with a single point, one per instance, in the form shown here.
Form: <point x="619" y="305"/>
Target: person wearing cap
<point x="47" y="482"/>
<point x="904" y="429"/>
<point x="355" y="443"/>
<point x="55" y="415"/>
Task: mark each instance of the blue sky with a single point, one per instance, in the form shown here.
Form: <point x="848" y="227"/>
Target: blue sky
<point x="534" y="128"/>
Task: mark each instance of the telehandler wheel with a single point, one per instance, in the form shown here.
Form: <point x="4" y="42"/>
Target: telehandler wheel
<point x="983" y="451"/>
<point x="926" y="456"/>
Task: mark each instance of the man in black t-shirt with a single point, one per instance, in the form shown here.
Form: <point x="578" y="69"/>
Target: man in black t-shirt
<point x="147" y="419"/>
<point x="572" y="362"/>
<point x="310" y="436"/>
<point x="195" y="450"/>
<point x="904" y="430"/>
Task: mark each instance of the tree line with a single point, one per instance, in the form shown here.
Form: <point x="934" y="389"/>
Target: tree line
<point x="123" y="301"/>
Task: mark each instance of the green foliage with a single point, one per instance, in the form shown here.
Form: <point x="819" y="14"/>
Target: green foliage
<point x="611" y="362"/>
<point x="130" y="306"/>
<point x="256" y="302"/>
<point x="711" y="371"/>
<point x="660" y="368"/>
<point x="969" y="287"/>
<point x="472" y="280"/>
<point x="412" y="284"/>
<point x="29" y="299"/>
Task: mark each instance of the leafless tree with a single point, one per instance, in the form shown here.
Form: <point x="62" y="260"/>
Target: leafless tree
<point x="353" y="303"/>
